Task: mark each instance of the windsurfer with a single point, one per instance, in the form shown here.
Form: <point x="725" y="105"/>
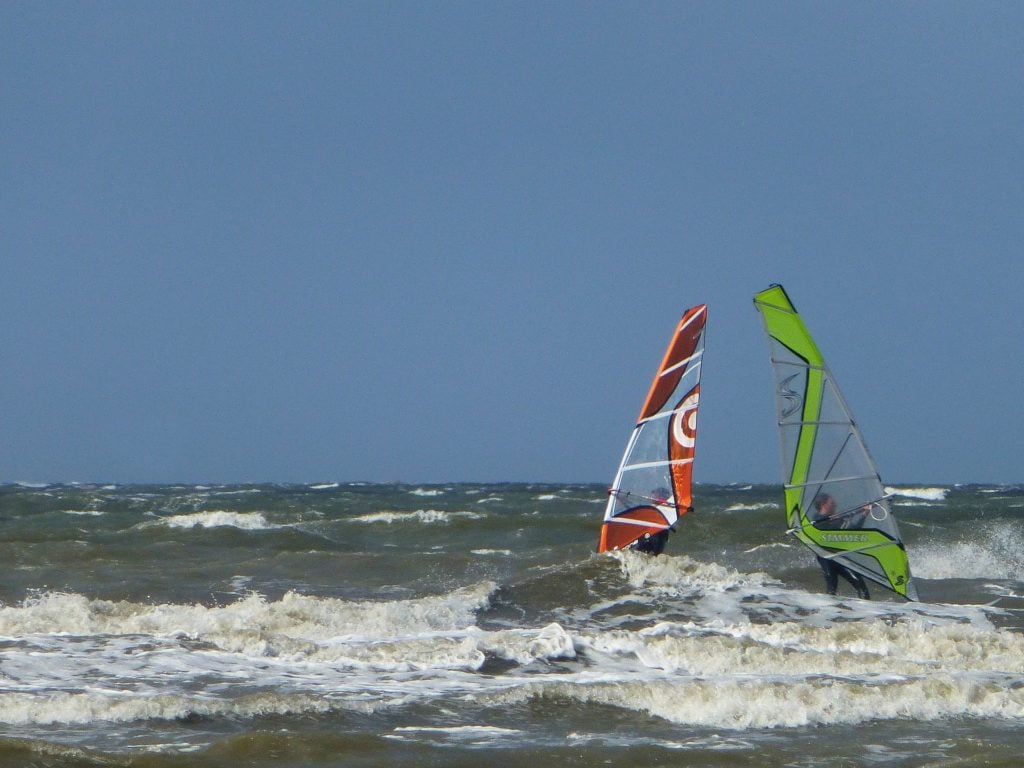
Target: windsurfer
<point x="654" y="543"/>
<point x="826" y="519"/>
<point x="651" y="543"/>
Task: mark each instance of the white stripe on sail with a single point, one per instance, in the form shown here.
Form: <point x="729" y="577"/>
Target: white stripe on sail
<point x="649" y="464"/>
<point x="681" y="363"/>
<point x="644" y="523"/>
<point x="664" y="414"/>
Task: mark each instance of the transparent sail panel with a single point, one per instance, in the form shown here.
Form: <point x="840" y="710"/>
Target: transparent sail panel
<point x="841" y="466"/>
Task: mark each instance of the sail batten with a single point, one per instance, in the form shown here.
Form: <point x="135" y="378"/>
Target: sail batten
<point x="652" y="487"/>
<point x="650" y="464"/>
<point x="680" y="364"/>
<point x="829" y="480"/>
<point x="824" y="454"/>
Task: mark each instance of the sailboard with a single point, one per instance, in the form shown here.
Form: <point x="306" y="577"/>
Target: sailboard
<point x="825" y="458"/>
<point x="652" y="487"/>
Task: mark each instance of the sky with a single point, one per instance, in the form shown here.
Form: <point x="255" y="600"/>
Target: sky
<point x="433" y="242"/>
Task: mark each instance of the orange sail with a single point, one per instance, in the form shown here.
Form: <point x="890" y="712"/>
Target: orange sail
<point x="652" y="487"/>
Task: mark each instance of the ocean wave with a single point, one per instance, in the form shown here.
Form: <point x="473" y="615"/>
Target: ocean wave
<point x="759" y="704"/>
<point x="926" y="664"/>
<point x="994" y="551"/>
<point x="773" y="545"/>
<point x="251" y="625"/>
<point x="246" y="521"/>
<point x="419" y="516"/>
<point x="751" y="507"/>
<point x="682" y="573"/>
<point x="428" y="492"/>
<point x="924" y="494"/>
<point x="90" y="707"/>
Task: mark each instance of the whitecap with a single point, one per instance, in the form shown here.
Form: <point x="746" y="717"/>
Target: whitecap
<point x="925" y="494"/>
<point x="246" y="521"/>
<point x="751" y="507"/>
<point x="993" y="551"/>
<point x="419" y="516"/>
<point x="426" y="492"/>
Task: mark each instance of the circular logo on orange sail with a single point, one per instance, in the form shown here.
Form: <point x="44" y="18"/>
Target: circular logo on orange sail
<point x="684" y="423"/>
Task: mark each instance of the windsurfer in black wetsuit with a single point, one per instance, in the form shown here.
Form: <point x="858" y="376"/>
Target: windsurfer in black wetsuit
<point x="826" y="519"/>
<point x="654" y="543"/>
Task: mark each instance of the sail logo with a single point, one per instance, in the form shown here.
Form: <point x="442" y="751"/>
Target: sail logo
<point x="684" y="423"/>
<point x="790" y="396"/>
<point x="844" y="537"/>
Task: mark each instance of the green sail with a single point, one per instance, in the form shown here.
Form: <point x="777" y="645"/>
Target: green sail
<point x="823" y="452"/>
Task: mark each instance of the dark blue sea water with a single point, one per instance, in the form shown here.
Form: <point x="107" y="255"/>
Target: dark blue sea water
<point x="357" y="625"/>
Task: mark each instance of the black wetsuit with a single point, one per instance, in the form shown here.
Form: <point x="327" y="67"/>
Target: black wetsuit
<point x="651" y="543"/>
<point x="833" y="570"/>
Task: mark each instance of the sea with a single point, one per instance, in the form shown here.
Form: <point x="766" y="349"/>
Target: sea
<point x="354" y="624"/>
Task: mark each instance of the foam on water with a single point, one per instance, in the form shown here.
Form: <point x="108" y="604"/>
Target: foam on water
<point x="991" y="551"/>
<point x="426" y="492"/>
<point x="814" y="664"/>
<point x="248" y="625"/>
<point x="786" y="703"/>
<point x="246" y="521"/>
<point x="503" y="610"/>
<point x="681" y="573"/>
<point x="926" y="494"/>
<point x="751" y="507"/>
<point x="419" y="516"/>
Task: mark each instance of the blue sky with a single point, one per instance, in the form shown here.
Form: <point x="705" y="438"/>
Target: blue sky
<point x="432" y="242"/>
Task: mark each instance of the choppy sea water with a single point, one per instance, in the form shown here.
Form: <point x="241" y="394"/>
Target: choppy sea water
<point x="463" y="625"/>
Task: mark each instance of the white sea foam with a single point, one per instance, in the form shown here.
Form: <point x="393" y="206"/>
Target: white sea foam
<point x="923" y="663"/>
<point x="247" y="521"/>
<point x="677" y="573"/>
<point x="324" y="486"/>
<point x="993" y="551"/>
<point x="773" y="545"/>
<point x="90" y="707"/>
<point x="751" y="507"/>
<point x="105" y="661"/>
<point x="746" y="704"/>
<point x="251" y="625"/>
<point x="430" y="492"/>
<point x="473" y="729"/>
<point x="419" y="516"/>
<point x="83" y="512"/>
<point x="925" y="494"/>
